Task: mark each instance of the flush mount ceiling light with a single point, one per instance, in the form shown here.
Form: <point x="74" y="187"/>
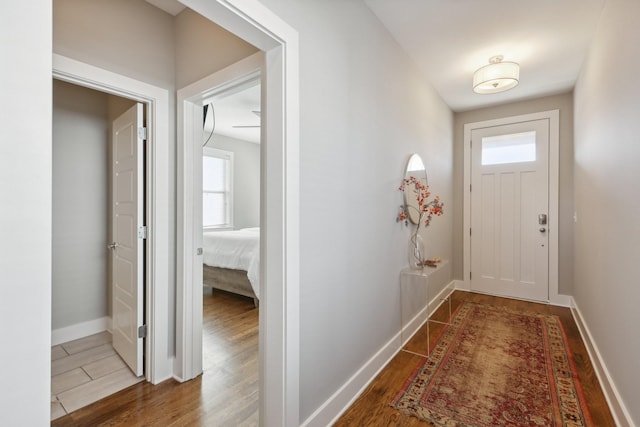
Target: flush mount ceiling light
<point x="496" y="77"/>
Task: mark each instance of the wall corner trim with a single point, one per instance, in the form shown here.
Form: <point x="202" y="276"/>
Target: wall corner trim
<point x="616" y="405"/>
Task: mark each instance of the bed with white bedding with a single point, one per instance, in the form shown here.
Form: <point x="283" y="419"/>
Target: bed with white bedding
<point x="232" y="261"/>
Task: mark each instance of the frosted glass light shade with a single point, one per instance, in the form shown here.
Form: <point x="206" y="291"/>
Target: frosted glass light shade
<point x="496" y="77"/>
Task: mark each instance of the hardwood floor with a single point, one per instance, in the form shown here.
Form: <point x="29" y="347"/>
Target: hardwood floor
<point x="226" y="394"/>
<point x="373" y="408"/>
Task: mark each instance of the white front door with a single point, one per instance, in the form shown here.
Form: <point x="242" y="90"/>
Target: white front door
<point x="509" y="210"/>
<point x="127" y="243"/>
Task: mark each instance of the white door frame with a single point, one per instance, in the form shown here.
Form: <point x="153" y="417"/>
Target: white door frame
<point x="158" y="362"/>
<point x="554" y="169"/>
<point x="279" y="342"/>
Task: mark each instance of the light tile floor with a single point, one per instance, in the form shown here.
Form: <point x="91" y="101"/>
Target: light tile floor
<point x="84" y="371"/>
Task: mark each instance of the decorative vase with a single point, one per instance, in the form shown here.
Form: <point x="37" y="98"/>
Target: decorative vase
<point x="416" y="251"/>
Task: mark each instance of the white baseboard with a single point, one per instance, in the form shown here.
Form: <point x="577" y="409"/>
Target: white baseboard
<point x="616" y="405"/>
<point x="341" y="400"/>
<point x="80" y="330"/>
<point x="334" y="407"/>
<point x="164" y="376"/>
<point x="561" y="300"/>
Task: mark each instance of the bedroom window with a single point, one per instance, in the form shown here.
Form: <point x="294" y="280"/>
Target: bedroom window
<point x="217" y="200"/>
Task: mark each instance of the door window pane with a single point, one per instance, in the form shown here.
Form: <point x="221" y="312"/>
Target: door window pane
<point x="513" y="148"/>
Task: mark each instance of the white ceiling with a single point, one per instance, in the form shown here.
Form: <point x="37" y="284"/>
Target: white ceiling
<point x="450" y="39"/>
<point x="235" y="111"/>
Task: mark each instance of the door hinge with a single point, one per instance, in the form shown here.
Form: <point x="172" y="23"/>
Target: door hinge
<point x="142" y="331"/>
<point x="142" y="232"/>
<point x="469" y="275"/>
<point x="469" y="232"/>
<point x="469" y="188"/>
<point x="142" y="133"/>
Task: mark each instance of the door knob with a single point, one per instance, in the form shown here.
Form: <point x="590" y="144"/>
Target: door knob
<point x="542" y="229"/>
<point x="112" y="246"/>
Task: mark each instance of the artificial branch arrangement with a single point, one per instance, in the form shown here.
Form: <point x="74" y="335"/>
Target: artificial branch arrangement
<point x="425" y="209"/>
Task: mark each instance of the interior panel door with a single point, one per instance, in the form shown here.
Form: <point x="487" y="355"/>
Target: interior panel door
<point x="128" y="243"/>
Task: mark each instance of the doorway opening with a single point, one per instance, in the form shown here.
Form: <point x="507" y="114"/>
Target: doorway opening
<point x="90" y="132"/>
<point x="225" y="217"/>
<point x="229" y="220"/>
<point x="155" y="102"/>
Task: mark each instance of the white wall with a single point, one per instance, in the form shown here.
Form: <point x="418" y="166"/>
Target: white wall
<point x="80" y="210"/>
<point x="562" y="102"/>
<point x="203" y="47"/>
<point x="364" y="108"/>
<point x="25" y="216"/>
<point x="607" y="186"/>
<point x="246" y="179"/>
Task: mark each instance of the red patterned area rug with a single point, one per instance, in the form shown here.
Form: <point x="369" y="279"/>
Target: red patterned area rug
<point x="497" y="367"/>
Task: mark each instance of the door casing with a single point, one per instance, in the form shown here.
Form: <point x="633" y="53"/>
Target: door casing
<point x="279" y="317"/>
<point x="553" y="221"/>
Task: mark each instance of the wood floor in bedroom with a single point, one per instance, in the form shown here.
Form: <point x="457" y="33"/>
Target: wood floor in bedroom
<point x="226" y="394"/>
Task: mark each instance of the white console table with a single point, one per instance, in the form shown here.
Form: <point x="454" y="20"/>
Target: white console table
<point x="421" y="293"/>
